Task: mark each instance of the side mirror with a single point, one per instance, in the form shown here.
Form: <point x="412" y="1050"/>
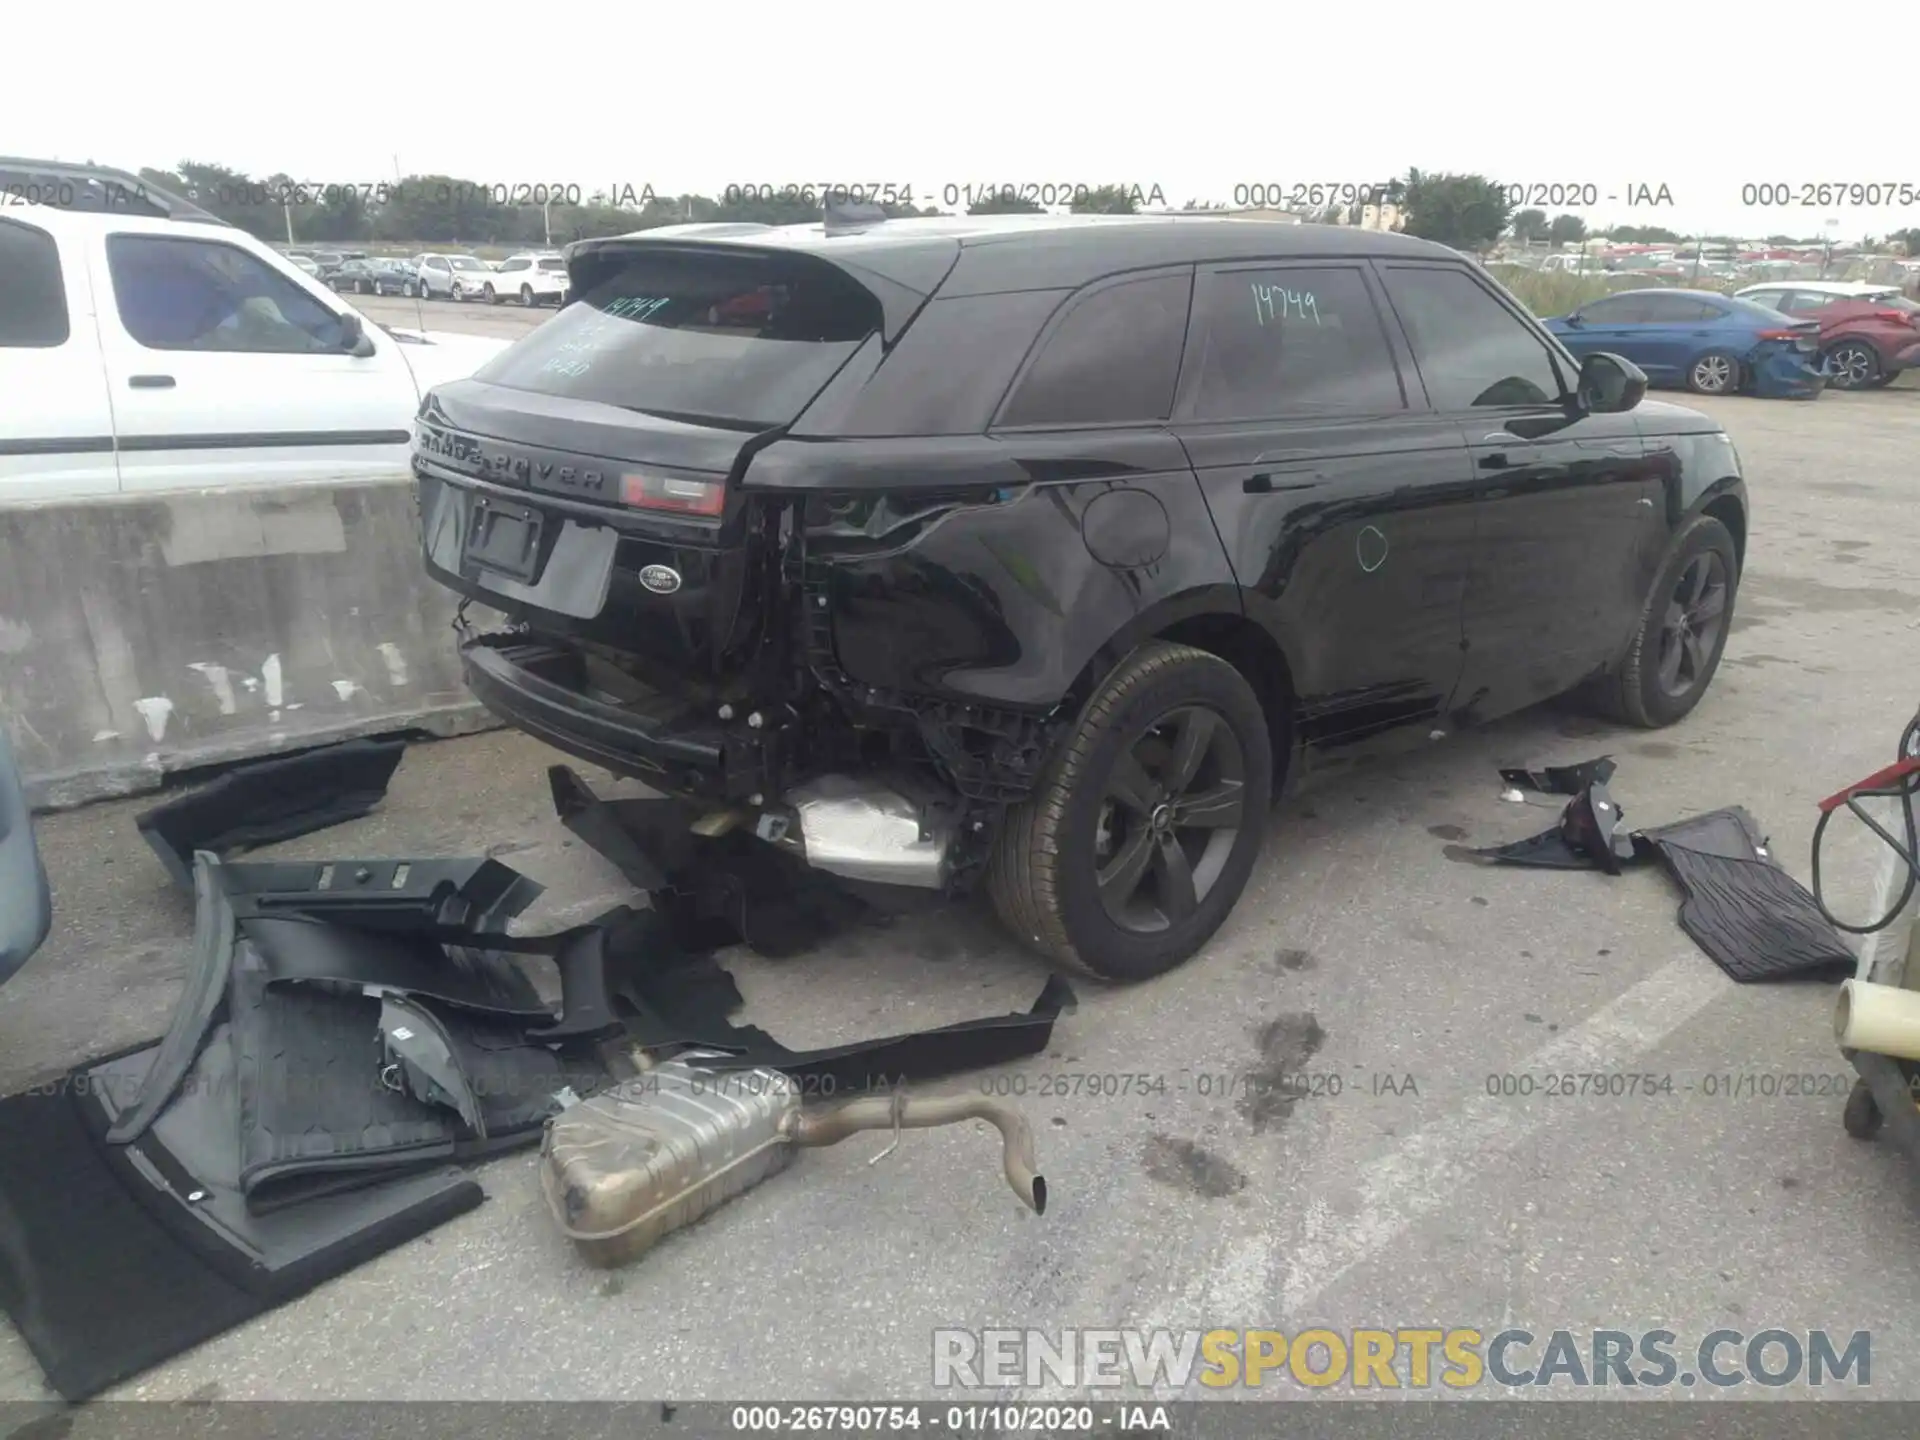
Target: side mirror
<point x="26" y="906"/>
<point x="1610" y="384"/>
<point x="354" y="338"/>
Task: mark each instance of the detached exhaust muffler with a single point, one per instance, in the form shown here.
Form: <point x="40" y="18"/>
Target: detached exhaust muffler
<point x="653" y="1154"/>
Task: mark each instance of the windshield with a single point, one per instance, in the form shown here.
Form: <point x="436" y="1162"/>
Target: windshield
<point x="465" y="262"/>
<point x="735" y="339"/>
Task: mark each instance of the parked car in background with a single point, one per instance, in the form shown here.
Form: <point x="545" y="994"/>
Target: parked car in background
<point x="376" y="276"/>
<point x="326" y="262"/>
<point x="438" y="273"/>
<point x="305" y="264"/>
<point x="1868" y="333"/>
<point x="1047" y="591"/>
<point x="1709" y="343"/>
<point x="534" y="278"/>
<point x="470" y="282"/>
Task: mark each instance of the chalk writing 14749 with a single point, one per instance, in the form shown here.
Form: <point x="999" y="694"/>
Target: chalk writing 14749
<point x="1274" y="303"/>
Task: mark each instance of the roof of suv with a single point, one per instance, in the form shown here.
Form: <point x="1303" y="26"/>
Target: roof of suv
<point x="1033" y="252"/>
<point x="1825" y="287"/>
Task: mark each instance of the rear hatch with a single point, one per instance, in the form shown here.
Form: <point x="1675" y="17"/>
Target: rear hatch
<point x="586" y="480"/>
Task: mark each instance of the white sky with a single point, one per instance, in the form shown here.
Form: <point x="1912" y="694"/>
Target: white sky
<point x="1196" y="97"/>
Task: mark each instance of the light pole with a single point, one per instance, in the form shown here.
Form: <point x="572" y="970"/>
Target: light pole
<point x="546" y="219"/>
<point x="286" y="207"/>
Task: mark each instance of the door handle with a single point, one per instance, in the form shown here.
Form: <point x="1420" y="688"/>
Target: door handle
<point x="1264" y="483"/>
<point x="151" y="382"/>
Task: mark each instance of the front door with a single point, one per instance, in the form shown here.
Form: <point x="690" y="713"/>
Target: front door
<point x="1346" y="508"/>
<point x="1571" y="515"/>
<point x="225" y="371"/>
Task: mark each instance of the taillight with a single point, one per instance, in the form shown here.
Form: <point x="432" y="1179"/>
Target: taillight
<point x="665" y="492"/>
<point x="1784" y="334"/>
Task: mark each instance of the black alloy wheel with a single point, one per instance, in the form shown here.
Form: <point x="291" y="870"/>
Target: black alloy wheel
<point x="1141" y="835"/>
<point x="1683" y="628"/>
<point x="1174" y="803"/>
<point x="1691" y="629"/>
<point x="1852" y="365"/>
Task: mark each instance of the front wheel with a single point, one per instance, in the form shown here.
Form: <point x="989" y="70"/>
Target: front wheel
<point x="492" y="299"/>
<point x="1714" y="373"/>
<point x="410" y="290"/>
<point x="1852" y="365"/>
<point x="1682" y="632"/>
<point x="1141" y="836"/>
<point x="526" y="296"/>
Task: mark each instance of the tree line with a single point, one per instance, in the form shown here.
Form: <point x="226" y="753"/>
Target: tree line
<point x="1467" y="212"/>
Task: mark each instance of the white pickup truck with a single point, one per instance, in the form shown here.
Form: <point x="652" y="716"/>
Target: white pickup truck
<point x="145" y="345"/>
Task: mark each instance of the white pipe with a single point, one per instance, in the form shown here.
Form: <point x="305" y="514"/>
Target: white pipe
<point x="1880" y="1019"/>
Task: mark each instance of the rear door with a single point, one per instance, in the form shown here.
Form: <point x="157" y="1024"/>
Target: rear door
<point x="1675" y="329"/>
<point x="1570" y="516"/>
<point x="57" y="444"/>
<point x="224" y="370"/>
<point x="1346" y="506"/>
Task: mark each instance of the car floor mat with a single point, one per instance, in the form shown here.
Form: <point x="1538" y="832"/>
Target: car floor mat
<point x="191" y="1157"/>
<point x="317" y="1111"/>
<point x="106" y="1276"/>
<point x="298" y="949"/>
<point x="1752" y="918"/>
<point x="269" y="801"/>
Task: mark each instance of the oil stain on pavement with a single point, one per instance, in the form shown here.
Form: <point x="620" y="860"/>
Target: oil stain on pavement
<point x="1190" y="1166"/>
<point x="1276" y="1084"/>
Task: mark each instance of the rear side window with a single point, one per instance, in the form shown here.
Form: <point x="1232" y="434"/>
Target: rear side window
<point x="1772" y="299"/>
<point x="553" y="264"/>
<point x="1113" y="358"/>
<point x="180" y="294"/>
<point x="1620" y="310"/>
<point x="731" y="339"/>
<point x="1472" y="351"/>
<point x="1292" y="340"/>
<point x="33" y="291"/>
<point x="1680" y="310"/>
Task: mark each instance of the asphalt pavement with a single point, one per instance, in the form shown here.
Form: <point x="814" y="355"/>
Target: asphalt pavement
<point x="1418" y="1194"/>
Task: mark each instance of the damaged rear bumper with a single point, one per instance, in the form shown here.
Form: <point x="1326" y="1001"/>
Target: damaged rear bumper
<point x="1787" y="375"/>
<point x="543" y="689"/>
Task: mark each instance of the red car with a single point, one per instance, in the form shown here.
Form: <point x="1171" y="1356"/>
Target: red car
<point x="1868" y="333"/>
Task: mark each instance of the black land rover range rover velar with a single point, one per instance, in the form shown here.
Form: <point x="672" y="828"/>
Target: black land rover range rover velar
<point x="1040" y="550"/>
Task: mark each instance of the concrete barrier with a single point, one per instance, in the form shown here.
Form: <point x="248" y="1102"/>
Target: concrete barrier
<point x="140" y="636"/>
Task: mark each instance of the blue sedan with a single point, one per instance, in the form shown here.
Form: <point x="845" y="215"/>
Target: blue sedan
<point x="1712" y="344"/>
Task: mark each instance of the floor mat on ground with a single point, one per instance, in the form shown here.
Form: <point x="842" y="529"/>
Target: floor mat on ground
<point x="1752" y="918"/>
<point x="103" y="1283"/>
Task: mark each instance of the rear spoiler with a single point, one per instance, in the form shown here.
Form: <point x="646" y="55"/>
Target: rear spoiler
<point x="901" y="279"/>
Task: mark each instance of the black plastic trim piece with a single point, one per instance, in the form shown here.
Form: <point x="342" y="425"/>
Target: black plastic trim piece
<point x="214" y="933"/>
<point x="264" y="439"/>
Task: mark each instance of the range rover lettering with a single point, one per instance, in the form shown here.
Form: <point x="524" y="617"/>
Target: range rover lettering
<point x="1039" y="553"/>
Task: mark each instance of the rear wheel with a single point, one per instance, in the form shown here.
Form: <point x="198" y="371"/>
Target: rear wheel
<point x="1714" y="373"/>
<point x="1141" y="837"/>
<point x="410" y="290"/>
<point x="1682" y="632"/>
<point x="1852" y="365"/>
<point x="487" y="290"/>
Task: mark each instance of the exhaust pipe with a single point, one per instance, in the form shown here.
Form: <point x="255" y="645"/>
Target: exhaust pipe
<point x="653" y="1154"/>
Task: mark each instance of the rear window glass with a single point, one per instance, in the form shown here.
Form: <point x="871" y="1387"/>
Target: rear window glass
<point x="33" y="293"/>
<point x="739" y="340"/>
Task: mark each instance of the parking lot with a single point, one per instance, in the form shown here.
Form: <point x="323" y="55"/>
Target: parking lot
<point x="1363" y="950"/>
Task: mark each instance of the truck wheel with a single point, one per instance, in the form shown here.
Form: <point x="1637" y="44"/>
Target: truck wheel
<point x="1142" y="833"/>
<point x="1683" y="630"/>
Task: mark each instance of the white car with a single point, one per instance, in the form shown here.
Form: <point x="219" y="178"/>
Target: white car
<point x="533" y="278"/>
<point x="165" y="349"/>
<point x="1773" y="291"/>
<point x="451" y="277"/>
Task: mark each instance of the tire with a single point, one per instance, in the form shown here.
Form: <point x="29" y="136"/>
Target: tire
<point x="1882" y="380"/>
<point x="410" y="290"/>
<point x="526" y="296"/>
<point x="360" y="287"/>
<point x="1852" y="365"/>
<point x="487" y="290"/>
<point x="1714" y="373"/>
<point x="1648" y="689"/>
<point x="1043" y="877"/>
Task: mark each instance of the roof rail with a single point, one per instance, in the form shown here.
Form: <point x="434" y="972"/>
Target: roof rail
<point x="64" y="186"/>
